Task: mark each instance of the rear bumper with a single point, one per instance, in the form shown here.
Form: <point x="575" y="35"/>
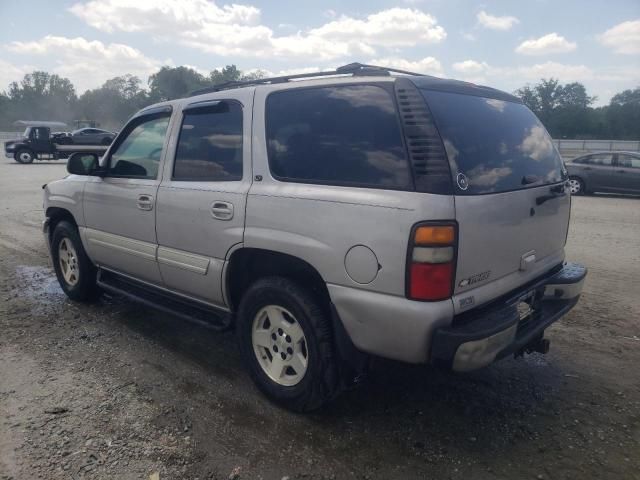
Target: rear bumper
<point x="478" y="337"/>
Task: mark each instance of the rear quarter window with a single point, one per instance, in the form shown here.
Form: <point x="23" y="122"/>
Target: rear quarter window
<point x="339" y="135"/>
<point x="494" y="145"/>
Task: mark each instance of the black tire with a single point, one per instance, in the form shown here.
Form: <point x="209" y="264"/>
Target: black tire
<point x="24" y="156"/>
<point x="320" y="381"/>
<point x="579" y="184"/>
<point x="85" y="290"/>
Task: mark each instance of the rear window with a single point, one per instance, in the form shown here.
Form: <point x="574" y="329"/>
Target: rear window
<point x="493" y="145"/>
<point x="339" y="135"/>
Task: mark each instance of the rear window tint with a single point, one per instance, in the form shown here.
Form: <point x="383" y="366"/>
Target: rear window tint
<point x="340" y="135"/>
<point x="493" y="145"/>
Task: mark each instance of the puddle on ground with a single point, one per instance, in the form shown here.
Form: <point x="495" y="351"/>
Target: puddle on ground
<point x="38" y="284"/>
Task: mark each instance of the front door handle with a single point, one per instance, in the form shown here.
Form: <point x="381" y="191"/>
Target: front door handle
<point x="145" y="202"/>
<point x="222" y="210"/>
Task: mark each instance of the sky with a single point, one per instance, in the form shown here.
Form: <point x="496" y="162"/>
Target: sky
<point x="503" y="43"/>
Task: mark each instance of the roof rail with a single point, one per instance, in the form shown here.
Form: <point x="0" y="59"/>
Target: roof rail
<point x="355" y="69"/>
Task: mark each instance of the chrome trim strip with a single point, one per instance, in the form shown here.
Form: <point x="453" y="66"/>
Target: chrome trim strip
<point x="126" y="245"/>
<point x="186" y="261"/>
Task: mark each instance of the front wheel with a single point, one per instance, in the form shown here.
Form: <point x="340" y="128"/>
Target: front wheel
<point x="576" y="186"/>
<point x="286" y="343"/>
<point x="76" y="274"/>
<point x="24" y="156"/>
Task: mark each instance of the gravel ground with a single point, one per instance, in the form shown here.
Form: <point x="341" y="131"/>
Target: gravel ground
<point x="117" y="391"/>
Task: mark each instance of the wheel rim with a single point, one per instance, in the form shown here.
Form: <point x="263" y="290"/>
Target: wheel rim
<point x="25" y="157"/>
<point x="68" y="259"/>
<point x="574" y="185"/>
<point x="280" y="345"/>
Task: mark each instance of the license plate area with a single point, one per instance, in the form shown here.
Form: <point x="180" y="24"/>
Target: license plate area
<point x="527" y="305"/>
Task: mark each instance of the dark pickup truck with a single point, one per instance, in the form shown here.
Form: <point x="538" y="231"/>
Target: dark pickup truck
<point x="37" y="143"/>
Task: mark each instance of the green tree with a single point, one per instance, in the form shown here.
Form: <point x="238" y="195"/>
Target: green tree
<point x="169" y="83"/>
<point x="114" y="102"/>
<point x="627" y="97"/>
<point x="563" y="109"/>
<point x="40" y="96"/>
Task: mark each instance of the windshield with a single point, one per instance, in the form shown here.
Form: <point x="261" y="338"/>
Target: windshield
<point x="493" y="145"/>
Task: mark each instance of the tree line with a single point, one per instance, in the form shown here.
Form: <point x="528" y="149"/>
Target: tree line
<point x="44" y="96"/>
<point x="566" y="110"/>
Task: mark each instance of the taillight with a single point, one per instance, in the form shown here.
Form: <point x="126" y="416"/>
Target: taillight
<point x="431" y="262"/>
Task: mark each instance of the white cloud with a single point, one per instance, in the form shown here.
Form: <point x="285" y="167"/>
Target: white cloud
<point x="496" y="23"/>
<point x="12" y="73"/>
<point x="623" y="38"/>
<point x="235" y="30"/>
<point x="564" y="72"/>
<point x="470" y="66"/>
<point x="547" y="44"/>
<point x="89" y="63"/>
<point x="427" y="65"/>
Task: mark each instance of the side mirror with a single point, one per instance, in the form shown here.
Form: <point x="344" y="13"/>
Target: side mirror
<point x="83" y="163"/>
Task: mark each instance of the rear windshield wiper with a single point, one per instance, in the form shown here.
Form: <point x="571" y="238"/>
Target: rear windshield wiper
<point x="555" y="192"/>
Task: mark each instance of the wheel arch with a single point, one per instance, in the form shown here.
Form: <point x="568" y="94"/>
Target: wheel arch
<point x="246" y="265"/>
<point x="57" y="214"/>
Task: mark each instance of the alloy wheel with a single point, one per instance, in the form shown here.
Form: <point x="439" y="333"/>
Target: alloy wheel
<point x="280" y="345"/>
<point x="68" y="259"/>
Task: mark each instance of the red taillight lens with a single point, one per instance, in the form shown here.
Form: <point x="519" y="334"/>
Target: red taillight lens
<point x="431" y="281"/>
<point x="431" y="265"/>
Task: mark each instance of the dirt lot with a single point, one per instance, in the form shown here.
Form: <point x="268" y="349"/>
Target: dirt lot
<point x="117" y="391"/>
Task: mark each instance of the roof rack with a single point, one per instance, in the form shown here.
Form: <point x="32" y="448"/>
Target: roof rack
<point x="355" y="69"/>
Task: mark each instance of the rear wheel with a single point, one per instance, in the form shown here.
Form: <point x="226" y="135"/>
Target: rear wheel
<point x="286" y="343"/>
<point x="24" y="155"/>
<point x="76" y="274"/>
<point x="576" y="186"/>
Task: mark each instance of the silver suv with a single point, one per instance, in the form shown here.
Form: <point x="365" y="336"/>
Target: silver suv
<point x="363" y="211"/>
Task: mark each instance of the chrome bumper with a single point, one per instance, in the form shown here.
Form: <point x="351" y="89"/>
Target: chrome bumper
<point x="479" y="337"/>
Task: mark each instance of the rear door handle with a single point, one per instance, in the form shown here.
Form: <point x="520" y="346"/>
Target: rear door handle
<point x="145" y="202"/>
<point x="621" y="171"/>
<point x="222" y="210"/>
<point x="587" y="168"/>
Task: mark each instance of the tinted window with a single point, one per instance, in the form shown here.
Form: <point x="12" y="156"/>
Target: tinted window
<point x="138" y="156"/>
<point x="343" y="135"/>
<point x="496" y="145"/>
<point x="627" y="161"/>
<point x="210" y="144"/>
<point x="604" y="159"/>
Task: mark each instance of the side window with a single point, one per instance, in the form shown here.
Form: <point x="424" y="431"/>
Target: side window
<point x="138" y="156"/>
<point x="602" y="159"/>
<point x="210" y="144"/>
<point x="340" y="135"/>
<point x="627" y="161"/>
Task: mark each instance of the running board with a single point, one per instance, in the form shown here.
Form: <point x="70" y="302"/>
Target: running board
<point x="189" y="310"/>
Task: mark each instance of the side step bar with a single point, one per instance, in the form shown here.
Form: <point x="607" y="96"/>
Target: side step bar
<point x="191" y="311"/>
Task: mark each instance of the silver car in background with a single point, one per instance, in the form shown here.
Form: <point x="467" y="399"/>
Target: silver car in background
<point x="606" y="172"/>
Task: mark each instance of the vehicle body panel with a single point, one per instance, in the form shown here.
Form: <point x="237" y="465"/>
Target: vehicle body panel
<point x="179" y="245"/>
<point x="185" y="221"/>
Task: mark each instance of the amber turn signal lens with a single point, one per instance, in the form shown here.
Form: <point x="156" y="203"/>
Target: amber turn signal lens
<point x="441" y="235"/>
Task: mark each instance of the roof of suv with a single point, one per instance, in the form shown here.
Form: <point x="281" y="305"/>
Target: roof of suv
<point x="361" y="70"/>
